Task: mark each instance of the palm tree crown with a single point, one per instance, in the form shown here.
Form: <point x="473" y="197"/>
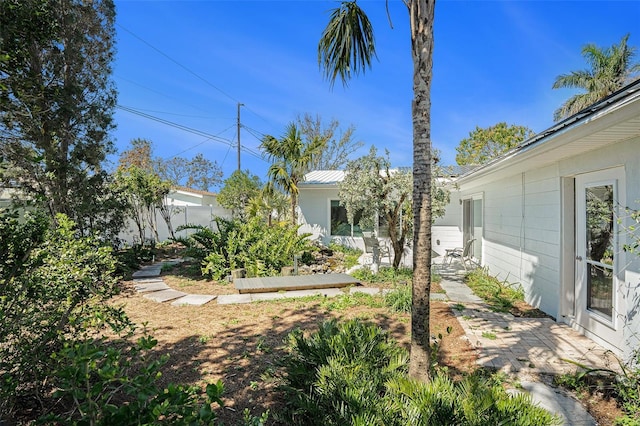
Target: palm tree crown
<point x="610" y="69"/>
<point x="291" y="157"/>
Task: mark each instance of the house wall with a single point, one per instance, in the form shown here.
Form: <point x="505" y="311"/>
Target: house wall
<point x="446" y="232"/>
<point x="313" y="213"/>
<point x="520" y="242"/>
<point x="624" y="154"/>
<point x="523" y="232"/>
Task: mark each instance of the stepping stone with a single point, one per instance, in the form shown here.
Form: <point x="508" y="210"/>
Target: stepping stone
<point x="556" y="401"/>
<point x="193" y="299"/>
<point x="164" y="295"/>
<point x="152" y="286"/>
<point x="148" y="280"/>
<point x="147" y="272"/>
<point x="230" y="299"/>
<point x="368" y="290"/>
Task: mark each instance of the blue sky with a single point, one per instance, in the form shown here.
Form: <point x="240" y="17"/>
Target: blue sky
<point x="192" y="62"/>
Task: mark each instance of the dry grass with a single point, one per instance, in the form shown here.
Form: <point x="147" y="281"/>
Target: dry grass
<point x="240" y="344"/>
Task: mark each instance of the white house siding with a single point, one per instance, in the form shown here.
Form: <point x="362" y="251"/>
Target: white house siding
<point x="446" y="232"/>
<point x="623" y="154"/>
<point x="314" y="213"/>
<point x="521" y="239"/>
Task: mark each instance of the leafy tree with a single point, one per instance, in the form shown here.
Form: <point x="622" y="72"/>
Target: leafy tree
<point x="237" y="191"/>
<point x="145" y="192"/>
<point x="53" y="286"/>
<point x="609" y="70"/>
<point x="347" y="46"/>
<point x="337" y="148"/>
<point x="57" y="101"/>
<point x="198" y="173"/>
<point x="373" y="190"/>
<point x="484" y="145"/>
<point x="291" y="158"/>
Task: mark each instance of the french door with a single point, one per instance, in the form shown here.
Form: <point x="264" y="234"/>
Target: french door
<point x="598" y="202"/>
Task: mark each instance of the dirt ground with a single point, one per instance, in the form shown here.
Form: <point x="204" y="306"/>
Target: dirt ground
<point x="240" y="344"/>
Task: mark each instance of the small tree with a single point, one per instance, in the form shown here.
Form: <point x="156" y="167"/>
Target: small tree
<point x="484" y="145"/>
<point x="145" y="192"/>
<point x="292" y="156"/>
<point x="237" y="190"/>
<point x="373" y="190"/>
<point x="339" y="144"/>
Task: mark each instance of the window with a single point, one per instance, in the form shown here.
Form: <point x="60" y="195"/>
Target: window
<point x="340" y="225"/>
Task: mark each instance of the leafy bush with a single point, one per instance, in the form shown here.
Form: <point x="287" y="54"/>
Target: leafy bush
<point x="260" y="249"/>
<point x="339" y="372"/>
<point x="353" y="374"/>
<point x="53" y="285"/>
<point x="399" y="299"/>
<point x="101" y="384"/>
<point x="385" y="274"/>
<point x="351" y="255"/>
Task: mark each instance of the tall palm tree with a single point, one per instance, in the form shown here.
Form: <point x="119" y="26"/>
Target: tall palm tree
<point x="346" y="47"/>
<point x="610" y="69"/>
<point x="291" y="157"/>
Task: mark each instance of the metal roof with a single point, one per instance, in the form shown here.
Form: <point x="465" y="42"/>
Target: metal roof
<point x="323" y="177"/>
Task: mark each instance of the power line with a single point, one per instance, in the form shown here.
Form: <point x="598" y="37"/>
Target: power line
<point x="187" y="129"/>
<point x="178" y="63"/>
<point x="158" y="92"/>
<point x="188" y="70"/>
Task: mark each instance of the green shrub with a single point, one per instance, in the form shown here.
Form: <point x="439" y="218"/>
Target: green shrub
<point x="338" y="372"/>
<point x="475" y="400"/>
<point x="385" y="274"/>
<point x="353" y="374"/>
<point x="102" y="384"/>
<point x="399" y="299"/>
<point x="53" y="285"/>
<point x="253" y="245"/>
<point x="351" y="255"/>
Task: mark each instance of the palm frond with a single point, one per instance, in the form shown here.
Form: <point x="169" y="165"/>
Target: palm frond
<point x="347" y="44"/>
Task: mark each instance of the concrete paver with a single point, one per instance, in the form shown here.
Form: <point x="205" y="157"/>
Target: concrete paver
<point x="558" y="402"/>
<point x="527" y="347"/>
<point x="147" y="272"/>
<point x="193" y="300"/>
<point x="164" y="295"/>
<point x="151" y="286"/>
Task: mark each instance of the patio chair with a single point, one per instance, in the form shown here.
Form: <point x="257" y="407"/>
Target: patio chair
<point x="371" y="242"/>
<point x="462" y="253"/>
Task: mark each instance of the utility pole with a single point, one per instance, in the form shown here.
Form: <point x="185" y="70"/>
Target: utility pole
<point x="239" y="105"/>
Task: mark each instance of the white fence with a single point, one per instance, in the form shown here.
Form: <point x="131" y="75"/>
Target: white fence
<point x="180" y="216"/>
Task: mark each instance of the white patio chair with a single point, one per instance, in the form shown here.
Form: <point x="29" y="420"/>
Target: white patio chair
<point x="461" y="253"/>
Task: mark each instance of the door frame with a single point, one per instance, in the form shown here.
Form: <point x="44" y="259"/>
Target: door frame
<point x="596" y="325"/>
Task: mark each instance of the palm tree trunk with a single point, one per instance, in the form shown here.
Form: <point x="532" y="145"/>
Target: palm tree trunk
<point x="421" y="16"/>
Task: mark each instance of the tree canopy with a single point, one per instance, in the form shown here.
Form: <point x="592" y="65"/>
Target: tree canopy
<point x="484" y="145"/>
<point x="338" y="146"/>
<point x="237" y="191"/>
<point x="56" y="103"/>
<point x="374" y="191"/>
<point x="197" y="173"/>
<point x="609" y="70"/>
<point x="291" y="157"/>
